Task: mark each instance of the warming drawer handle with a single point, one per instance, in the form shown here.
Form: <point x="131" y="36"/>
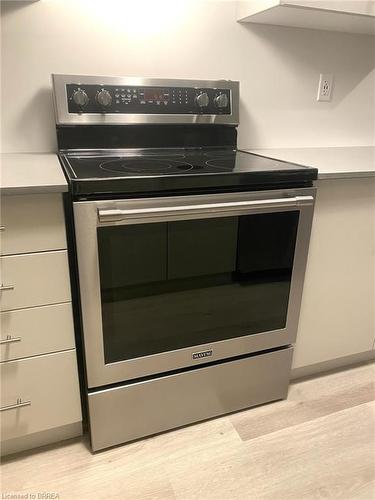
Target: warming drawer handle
<point x="18" y="404"/>
<point x="113" y="215"/>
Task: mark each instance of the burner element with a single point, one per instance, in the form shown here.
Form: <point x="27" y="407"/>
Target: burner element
<point x="142" y="166"/>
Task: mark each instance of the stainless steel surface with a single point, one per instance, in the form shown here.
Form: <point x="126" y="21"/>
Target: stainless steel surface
<point x="136" y="410"/>
<point x="3" y="288"/>
<point x="128" y="216"/>
<point x="63" y="117"/>
<point x="18" y="404"/>
<point x="10" y="340"/>
<point x="80" y="97"/>
<point x="86" y="215"/>
<point x="221" y="101"/>
<point x="104" y="98"/>
<point x="202" y="99"/>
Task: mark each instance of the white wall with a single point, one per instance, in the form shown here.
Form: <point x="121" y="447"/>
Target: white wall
<point x="278" y="67"/>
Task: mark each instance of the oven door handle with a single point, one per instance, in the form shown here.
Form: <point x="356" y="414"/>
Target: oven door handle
<point x="116" y="215"/>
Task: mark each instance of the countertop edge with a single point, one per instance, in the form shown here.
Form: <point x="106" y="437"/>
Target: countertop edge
<point x="31" y="173"/>
<point x="345" y="175"/>
<point x="276" y="154"/>
<point x="15" y="190"/>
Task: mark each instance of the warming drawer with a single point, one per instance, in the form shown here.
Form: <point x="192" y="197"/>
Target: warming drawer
<point x="139" y="409"/>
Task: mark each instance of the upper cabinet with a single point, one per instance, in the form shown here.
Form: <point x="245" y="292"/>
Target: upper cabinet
<point x="353" y="16"/>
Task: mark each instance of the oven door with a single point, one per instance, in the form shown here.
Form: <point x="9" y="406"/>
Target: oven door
<point x="167" y="283"/>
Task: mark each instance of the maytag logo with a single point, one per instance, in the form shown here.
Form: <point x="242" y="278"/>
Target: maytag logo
<point x="202" y="354"/>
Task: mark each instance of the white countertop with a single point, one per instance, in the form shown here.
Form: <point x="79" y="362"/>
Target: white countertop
<point x="42" y="173"/>
<point x="31" y="173"/>
<point x="332" y="163"/>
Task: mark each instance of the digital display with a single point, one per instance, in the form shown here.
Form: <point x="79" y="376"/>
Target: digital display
<point x="155" y="95"/>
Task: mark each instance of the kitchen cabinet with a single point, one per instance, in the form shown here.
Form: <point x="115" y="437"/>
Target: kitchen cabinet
<point x="338" y="306"/>
<point x="34" y="279"/>
<point x="40" y="397"/>
<point x="40" y="330"/>
<point x="34" y="223"/>
<point x="51" y="402"/>
<point x="353" y="16"/>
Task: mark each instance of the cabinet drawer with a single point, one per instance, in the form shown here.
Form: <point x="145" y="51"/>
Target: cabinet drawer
<point x="32" y="223"/>
<point x="34" y="280"/>
<point x="49" y="383"/>
<point x="39" y="330"/>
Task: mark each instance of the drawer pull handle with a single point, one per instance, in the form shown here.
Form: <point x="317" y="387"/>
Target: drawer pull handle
<point x="2" y="228"/>
<point x="10" y="340"/>
<point x="19" y="404"/>
<point x="6" y="287"/>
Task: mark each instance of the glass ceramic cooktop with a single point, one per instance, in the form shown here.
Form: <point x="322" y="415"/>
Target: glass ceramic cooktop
<point x="169" y="162"/>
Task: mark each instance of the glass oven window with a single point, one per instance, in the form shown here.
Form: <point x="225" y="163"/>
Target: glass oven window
<point x="170" y="285"/>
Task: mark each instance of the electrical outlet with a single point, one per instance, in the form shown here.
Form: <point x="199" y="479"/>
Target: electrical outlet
<point x="325" y="87"/>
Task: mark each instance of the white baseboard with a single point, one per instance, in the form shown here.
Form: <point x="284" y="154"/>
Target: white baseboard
<point x="41" y="438"/>
<point x="332" y="364"/>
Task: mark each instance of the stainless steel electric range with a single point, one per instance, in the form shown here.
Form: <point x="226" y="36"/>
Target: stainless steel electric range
<point x="189" y="254"/>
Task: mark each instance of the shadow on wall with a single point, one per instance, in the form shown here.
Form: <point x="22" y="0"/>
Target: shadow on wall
<point x="10" y="6"/>
<point x="40" y="106"/>
<point x="248" y="130"/>
<point x="350" y="57"/>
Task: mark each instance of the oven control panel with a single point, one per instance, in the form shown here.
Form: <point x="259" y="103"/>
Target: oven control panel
<point x="131" y="99"/>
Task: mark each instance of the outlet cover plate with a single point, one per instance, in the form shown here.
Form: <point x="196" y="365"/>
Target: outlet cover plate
<point x="325" y="87"/>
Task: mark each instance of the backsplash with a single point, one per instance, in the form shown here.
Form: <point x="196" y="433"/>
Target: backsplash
<point x="278" y="68"/>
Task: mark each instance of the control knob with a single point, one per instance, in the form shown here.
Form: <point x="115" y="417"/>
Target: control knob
<point x="80" y="97"/>
<point x="202" y="99"/>
<point x="221" y="101"/>
<point x="104" y="98"/>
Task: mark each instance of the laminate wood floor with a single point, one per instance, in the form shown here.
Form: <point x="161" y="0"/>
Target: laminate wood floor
<point x="318" y="444"/>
